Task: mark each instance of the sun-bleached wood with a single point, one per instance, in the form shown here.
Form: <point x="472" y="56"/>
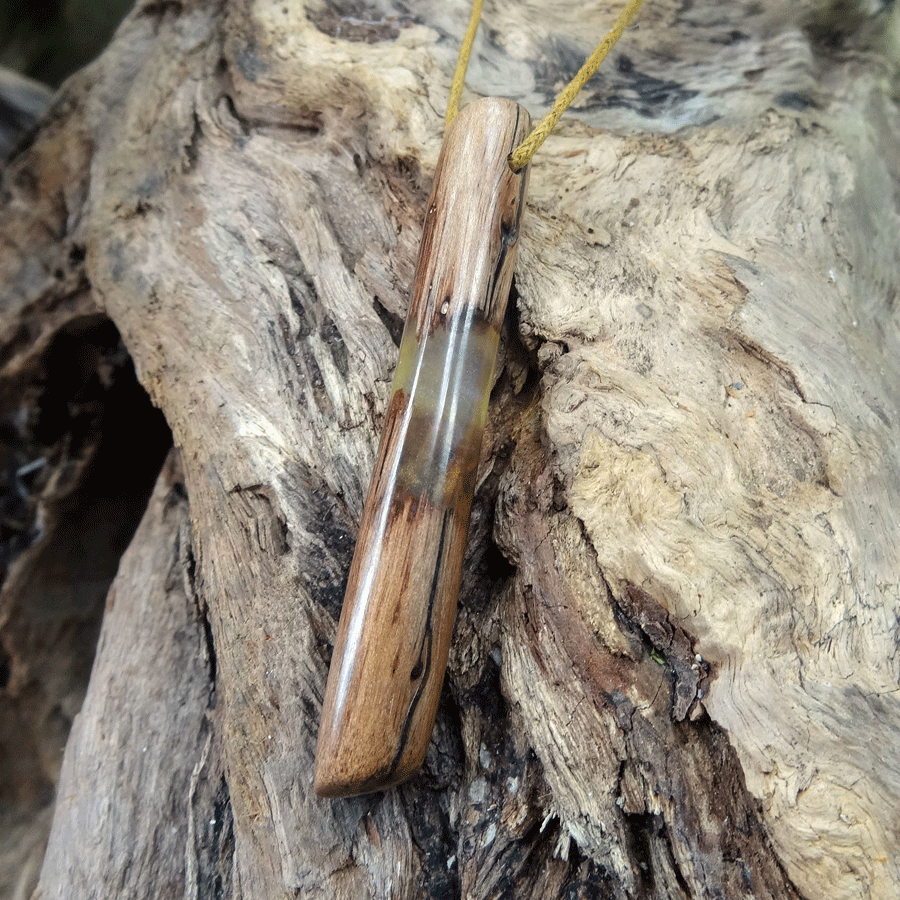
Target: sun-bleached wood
<point x="697" y="454"/>
<point x="397" y="619"/>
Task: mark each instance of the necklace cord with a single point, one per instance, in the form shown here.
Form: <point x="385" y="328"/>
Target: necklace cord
<point x="521" y="156"/>
<point x="462" y="62"/>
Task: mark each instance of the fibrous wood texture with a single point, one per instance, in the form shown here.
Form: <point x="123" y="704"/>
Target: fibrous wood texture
<point x="675" y="667"/>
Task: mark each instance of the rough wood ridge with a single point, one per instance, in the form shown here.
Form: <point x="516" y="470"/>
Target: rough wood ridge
<point x="674" y="671"/>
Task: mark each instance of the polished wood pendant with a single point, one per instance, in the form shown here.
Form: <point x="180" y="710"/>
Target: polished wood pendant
<point x="394" y="634"/>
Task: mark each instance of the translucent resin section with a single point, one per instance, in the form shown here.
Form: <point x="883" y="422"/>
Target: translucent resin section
<point x="446" y="382"/>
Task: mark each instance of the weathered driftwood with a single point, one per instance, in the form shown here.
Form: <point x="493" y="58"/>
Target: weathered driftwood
<point x="674" y="671"/>
<point x="144" y="745"/>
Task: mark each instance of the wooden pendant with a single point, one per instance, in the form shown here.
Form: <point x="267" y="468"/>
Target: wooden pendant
<point x="394" y="635"/>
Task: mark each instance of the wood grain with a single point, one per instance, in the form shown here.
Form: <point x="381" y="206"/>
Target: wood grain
<point x="153" y="658"/>
<point x="394" y="634"/>
<point x="706" y="283"/>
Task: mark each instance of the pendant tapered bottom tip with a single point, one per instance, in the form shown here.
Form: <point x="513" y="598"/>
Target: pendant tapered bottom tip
<point x="331" y="783"/>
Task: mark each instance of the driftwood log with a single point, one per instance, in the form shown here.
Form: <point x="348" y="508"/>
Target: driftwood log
<point x="675" y="664"/>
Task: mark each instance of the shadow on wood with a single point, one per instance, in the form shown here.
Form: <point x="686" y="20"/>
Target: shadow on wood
<point x="674" y="665"/>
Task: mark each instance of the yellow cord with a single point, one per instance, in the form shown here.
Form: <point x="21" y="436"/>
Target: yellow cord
<point x="521" y="156"/>
<point x="465" y="51"/>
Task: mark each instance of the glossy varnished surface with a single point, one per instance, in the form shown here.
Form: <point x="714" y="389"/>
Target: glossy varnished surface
<point x="396" y="623"/>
